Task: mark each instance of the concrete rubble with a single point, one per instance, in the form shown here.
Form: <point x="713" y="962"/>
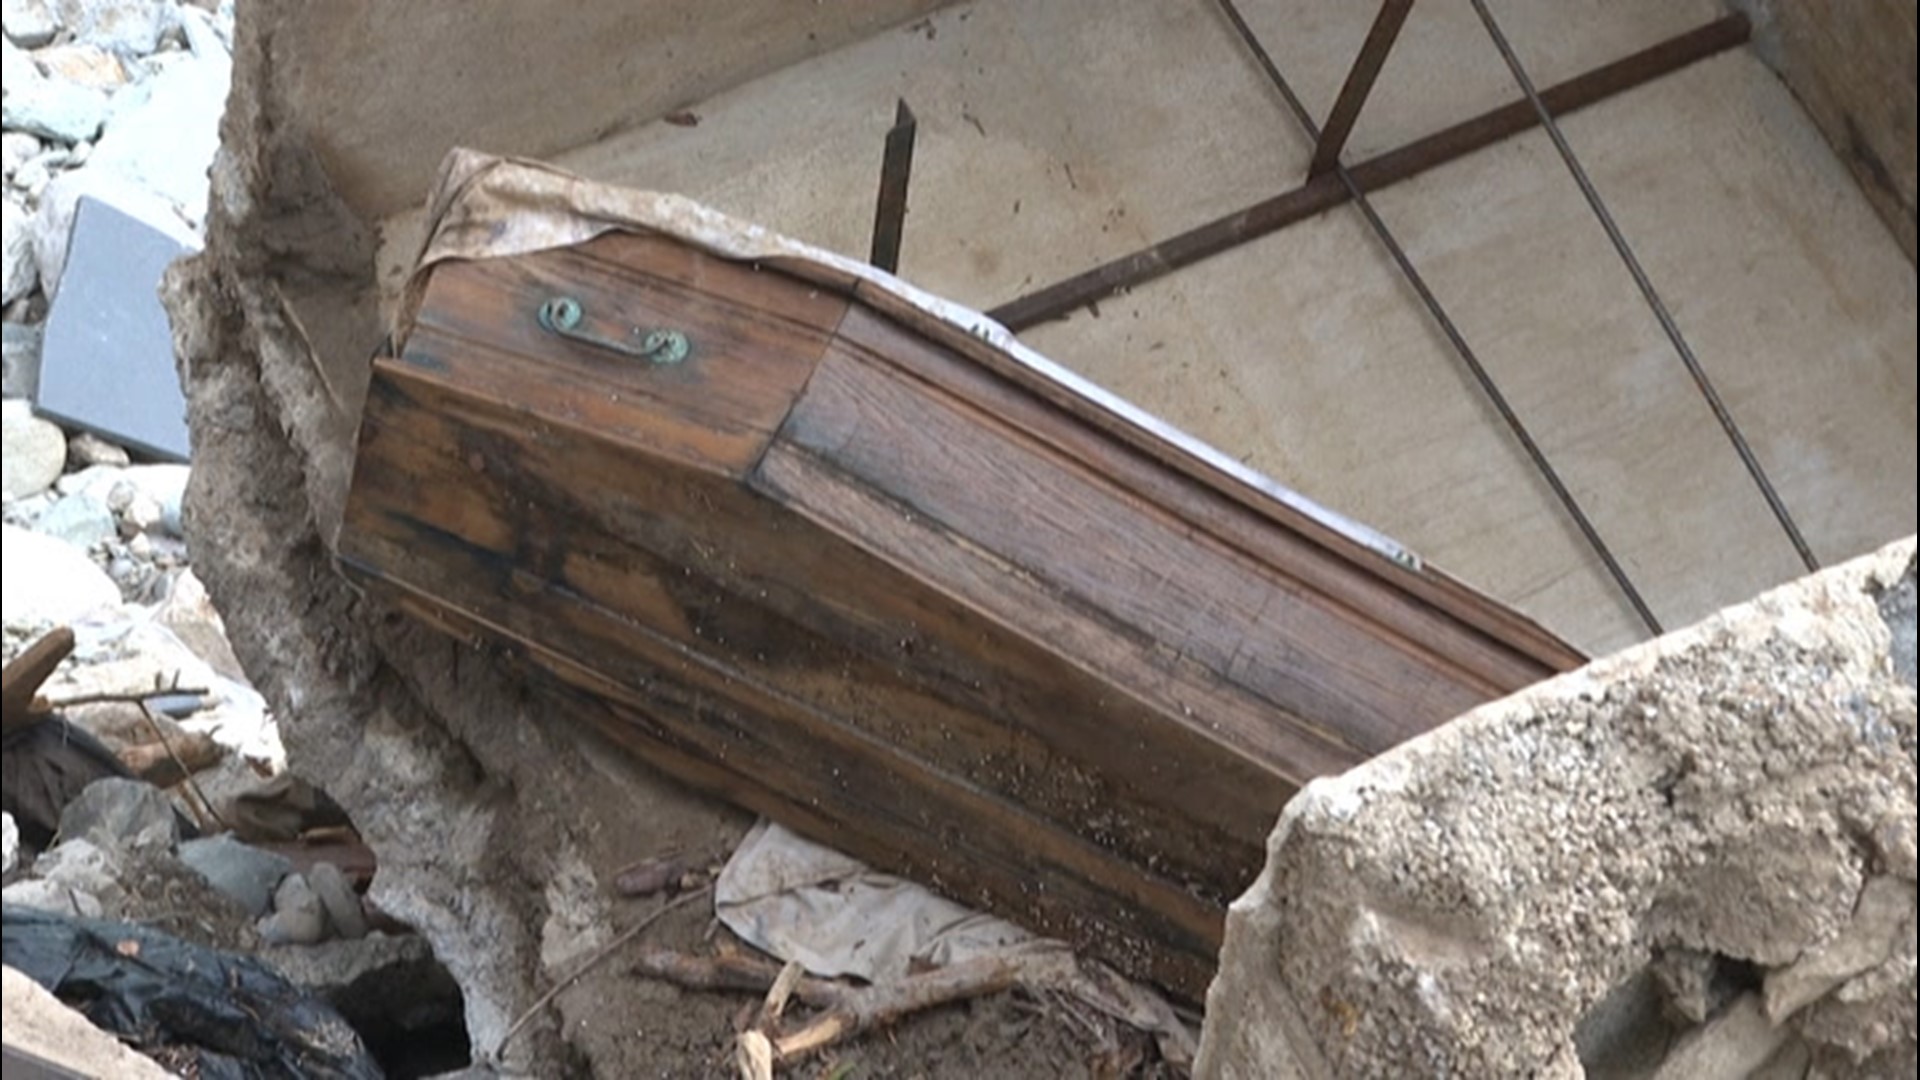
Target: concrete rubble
<point x="1732" y="803"/>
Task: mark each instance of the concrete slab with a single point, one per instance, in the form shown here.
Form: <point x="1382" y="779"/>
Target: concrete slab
<point x="107" y="362"/>
<point x="1056" y="135"/>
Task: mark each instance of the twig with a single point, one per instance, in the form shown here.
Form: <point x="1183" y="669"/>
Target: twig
<point x="153" y="724"/>
<point x="596" y="960"/>
<point x="130" y="697"/>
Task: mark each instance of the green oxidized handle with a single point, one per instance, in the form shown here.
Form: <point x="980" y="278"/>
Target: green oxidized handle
<point x="562" y="315"/>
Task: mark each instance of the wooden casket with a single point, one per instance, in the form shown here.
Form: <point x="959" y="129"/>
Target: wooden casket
<point x="808" y="540"/>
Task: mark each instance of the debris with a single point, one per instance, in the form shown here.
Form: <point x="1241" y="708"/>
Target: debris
<point x="85" y="450"/>
<point x="59" y="111"/>
<point x="45" y="767"/>
<point x="80" y="520"/>
<point x="9" y="843"/>
<point x="230" y="1015"/>
<point x="683" y="118"/>
<point x="113" y="267"/>
<point x="48" y="582"/>
<point x="815" y="907"/>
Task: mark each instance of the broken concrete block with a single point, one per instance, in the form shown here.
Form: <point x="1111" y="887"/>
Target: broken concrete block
<point x="298" y="917"/>
<point x="29" y="23"/>
<point x="107" y="363"/>
<point x="32" y="452"/>
<point x="83" y="65"/>
<point x="1461" y="904"/>
<point x="344" y="913"/>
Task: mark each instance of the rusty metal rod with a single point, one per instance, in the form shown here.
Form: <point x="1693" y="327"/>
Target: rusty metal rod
<point x="1459" y="342"/>
<point x="1652" y="295"/>
<point x="1353" y="93"/>
<point x="890" y="209"/>
<point x="1325" y="192"/>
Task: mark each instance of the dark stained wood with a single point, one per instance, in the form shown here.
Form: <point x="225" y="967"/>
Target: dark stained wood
<point x="868" y="576"/>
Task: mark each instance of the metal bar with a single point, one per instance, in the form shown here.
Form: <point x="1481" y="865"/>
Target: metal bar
<point x="1459" y="342"/>
<point x="1325" y="192"/>
<point x="1353" y="93"/>
<point x="1545" y="113"/>
<point x="896" y="167"/>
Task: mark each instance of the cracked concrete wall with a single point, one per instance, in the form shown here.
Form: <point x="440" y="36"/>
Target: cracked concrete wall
<point x="1707" y="840"/>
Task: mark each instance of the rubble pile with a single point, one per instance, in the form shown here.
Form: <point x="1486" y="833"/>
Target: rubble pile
<point x="145" y="781"/>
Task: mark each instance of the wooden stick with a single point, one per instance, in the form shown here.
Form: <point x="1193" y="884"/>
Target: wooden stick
<point x="206" y="803"/>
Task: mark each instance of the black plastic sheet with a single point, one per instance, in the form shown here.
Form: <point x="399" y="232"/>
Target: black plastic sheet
<point x="230" y="1014"/>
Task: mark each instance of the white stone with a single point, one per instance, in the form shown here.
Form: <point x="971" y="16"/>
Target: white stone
<point x="51" y="896"/>
<point x="86" y="866"/>
<point x="19" y="359"/>
<point x="86" y="450"/>
<point x="9" y="843"/>
<point x="29" y="23"/>
<point x="48" y="583"/>
<point x="80" y="520"/>
<point x="53" y="221"/>
<point x="155" y="497"/>
<point x="61" y="111"/>
<point x="32" y="452"/>
<point x="16" y="148"/>
<point x="127" y="27"/>
<point x="18" y="272"/>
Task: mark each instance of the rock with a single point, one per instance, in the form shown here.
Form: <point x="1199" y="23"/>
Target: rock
<point x="9" y="844"/>
<point x="1464" y="903"/>
<point x="18" y="272"/>
<point x="16" y="149"/>
<point x="298" y="918"/>
<point x="342" y="904"/>
<point x="20" y="355"/>
<point x="86" y="450"/>
<point x="59" y="203"/>
<point x="83" y="65"/>
<point x="128" y="815"/>
<point x="61" y="111"/>
<point x="163" y="133"/>
<point x="29" y="23"/>
<point x="51" y="896"/>
<point x="245" y="873"/>
<point x="80" y="520"/>
<point x="48" y="582"/>
<point x="87" y="868"/>
<point x="128" y="28"/>
<point x="34" y="451"/>
<point x="151" y="502"/>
